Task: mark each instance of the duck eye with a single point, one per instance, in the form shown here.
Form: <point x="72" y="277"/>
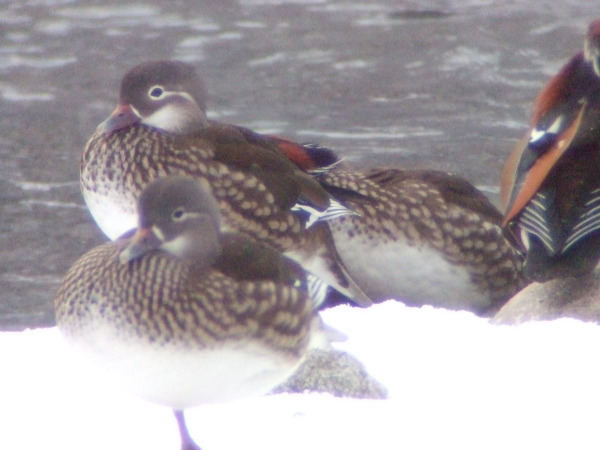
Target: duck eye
<point x="178" y="214"/>
<point x="156" y="92"/>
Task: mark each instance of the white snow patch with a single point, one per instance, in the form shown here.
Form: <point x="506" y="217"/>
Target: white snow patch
<point x="454" y="381"/>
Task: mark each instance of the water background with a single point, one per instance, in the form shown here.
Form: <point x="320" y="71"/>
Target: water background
<point x="436" y="84"/>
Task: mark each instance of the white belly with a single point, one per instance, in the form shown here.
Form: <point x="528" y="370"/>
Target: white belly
<point x="416" y="275"/>
<point x="114" y="215"/>
<point x="181" y="378"/>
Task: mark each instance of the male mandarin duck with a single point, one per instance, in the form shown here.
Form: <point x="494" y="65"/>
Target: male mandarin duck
<point x="421" y="236"/>
<point x="183" y="314"/>
<point x="160" y="127"/>
<point x="551" y="181"/>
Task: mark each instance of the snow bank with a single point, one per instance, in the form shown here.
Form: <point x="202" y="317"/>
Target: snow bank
<point x="454" y="381"/>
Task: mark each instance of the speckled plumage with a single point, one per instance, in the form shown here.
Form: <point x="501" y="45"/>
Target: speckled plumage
<point x="182" y="314"/>
<point x="121" y="163"/>
<point x="433" y="238"/>
<point x="159" y="299"/>
<point x="257" y="188"/>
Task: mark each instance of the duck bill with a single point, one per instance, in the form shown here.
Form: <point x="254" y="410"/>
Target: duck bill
<point x="123" y="116"/>
<point x="142" y="242"/>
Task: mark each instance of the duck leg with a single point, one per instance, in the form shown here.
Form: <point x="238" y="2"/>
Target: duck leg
<point x="187" y="443"/>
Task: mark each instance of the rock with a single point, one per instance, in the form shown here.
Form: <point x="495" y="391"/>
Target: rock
<point x="575" y="297"/>
<point x="334" y="372"/>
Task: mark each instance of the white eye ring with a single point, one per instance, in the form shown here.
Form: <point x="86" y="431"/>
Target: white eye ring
<point x="156" y="92"/>
<point x="179" y="214"/>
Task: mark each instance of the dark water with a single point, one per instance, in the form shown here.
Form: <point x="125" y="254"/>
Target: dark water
<point x="440" y="84"/>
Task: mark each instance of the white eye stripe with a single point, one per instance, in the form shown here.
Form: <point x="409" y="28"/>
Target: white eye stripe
<point x="182" y="94"/>
<point x="184" y="214"/>
<point x="174" y="112"/>
<point x="164" y="94"/>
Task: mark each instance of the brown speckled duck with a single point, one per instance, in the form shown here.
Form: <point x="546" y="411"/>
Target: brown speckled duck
<point x="160" y="127"/>
<point x="421" y="236"/>
<point x="182" y="314"/>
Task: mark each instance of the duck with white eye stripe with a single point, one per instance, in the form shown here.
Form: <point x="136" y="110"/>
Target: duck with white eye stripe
<point x="160" y="127"/>
<point x="182" y="314"/>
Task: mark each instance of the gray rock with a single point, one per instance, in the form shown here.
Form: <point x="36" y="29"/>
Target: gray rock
<point x="334" y="372"/>
<point x="575" y="297"/>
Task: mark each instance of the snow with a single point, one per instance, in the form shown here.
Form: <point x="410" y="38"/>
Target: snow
<point x="454" y="380"/>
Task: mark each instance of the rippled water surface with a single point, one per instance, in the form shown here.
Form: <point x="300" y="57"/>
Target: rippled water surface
<point x="440" y="84"/>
